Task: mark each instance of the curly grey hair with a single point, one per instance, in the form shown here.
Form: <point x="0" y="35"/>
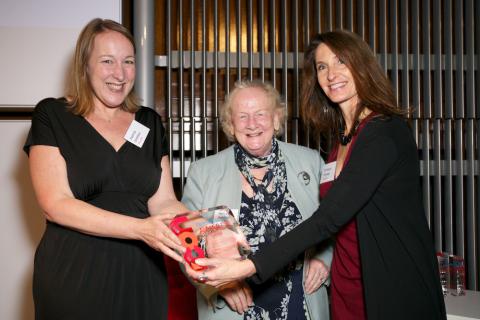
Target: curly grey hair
<point x="271" y="93"/>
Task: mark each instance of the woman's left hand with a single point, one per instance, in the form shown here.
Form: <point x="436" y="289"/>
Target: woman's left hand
<point x="316" y="274"/>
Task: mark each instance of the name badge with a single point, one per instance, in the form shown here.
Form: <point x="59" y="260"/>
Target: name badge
<point x="328" y="172"/>
<point x="137" y="133"/>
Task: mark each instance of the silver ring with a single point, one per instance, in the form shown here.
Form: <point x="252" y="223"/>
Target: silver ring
<point x="203" y="277"/>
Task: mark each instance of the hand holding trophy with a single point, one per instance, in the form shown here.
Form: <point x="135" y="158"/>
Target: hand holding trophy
<point x="212" y="233"/>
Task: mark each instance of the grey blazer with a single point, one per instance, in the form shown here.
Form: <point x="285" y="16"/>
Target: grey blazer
<point x="215" y="180"/>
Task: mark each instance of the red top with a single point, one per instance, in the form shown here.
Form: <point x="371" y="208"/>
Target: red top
<point x="346" y="273"/>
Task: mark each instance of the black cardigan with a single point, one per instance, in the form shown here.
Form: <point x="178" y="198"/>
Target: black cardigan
<point x="380" y="188"/>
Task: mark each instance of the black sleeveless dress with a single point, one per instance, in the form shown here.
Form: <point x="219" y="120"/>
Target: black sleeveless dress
<point x="78" y="276"/>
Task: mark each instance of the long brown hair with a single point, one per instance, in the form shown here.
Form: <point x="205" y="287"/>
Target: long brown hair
<point x="373" y="87"/>
<point x="79" y="91"/>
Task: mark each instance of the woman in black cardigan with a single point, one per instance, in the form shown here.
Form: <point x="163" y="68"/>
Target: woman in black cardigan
<point x="384" y="265"/>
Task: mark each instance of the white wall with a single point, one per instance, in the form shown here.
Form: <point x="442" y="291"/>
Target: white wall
<point x="37" y="40"/>
<point x="21" y="224"/>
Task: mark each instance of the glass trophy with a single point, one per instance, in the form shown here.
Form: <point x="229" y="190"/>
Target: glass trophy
<point x="212" y="233"/>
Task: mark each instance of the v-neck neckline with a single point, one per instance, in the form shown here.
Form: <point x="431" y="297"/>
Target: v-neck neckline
<point x="117" y="151"/>
<point x="362" y="124"/>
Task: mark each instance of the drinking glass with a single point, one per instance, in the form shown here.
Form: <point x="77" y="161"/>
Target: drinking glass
<point x="457" y="275"/>
<point x="443" y="266"/>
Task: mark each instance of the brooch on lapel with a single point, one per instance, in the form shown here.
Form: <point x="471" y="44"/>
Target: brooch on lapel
<point x="305" y="177"/>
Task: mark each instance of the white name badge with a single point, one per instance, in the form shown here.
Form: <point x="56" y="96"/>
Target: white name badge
<point x="137" y="133"/>
<point x="328" y="172"/>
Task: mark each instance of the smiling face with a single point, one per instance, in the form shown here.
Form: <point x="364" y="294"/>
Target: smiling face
<point x="335" y="78"/>
<point x="111" y="69"/>
<point x="254" y="121"/>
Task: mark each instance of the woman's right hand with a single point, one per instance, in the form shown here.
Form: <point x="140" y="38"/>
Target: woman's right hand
<point x="155" y="232"/>
<point x="221" y="272"/>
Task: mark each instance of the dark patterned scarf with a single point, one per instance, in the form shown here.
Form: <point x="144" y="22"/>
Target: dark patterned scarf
<point x="275" y="171"/>
<point x="275" y="212"/>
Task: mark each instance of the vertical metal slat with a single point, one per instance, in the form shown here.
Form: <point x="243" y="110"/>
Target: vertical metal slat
<point x="204" y="83"/>
<point x="477" y="226"/>
<point x="477" y="113"/>
<point x="215" y="78"/>
<point x="181" y="114"/>
<point x="405" y="81"/>
<point x="426" y="110"/>
<point x="169" y="80"/>
<point x="296" y="75"/>
<point x="250" y="38"/>
<point x="382" y="33"/>
<point x="193" y="148"/>
<point x="394" y="46"/>
<point x="471" y="219"/>
<point x="448" y="114"/>
<point x="143" y="33"/>
<point x="459" y="194"/>
<point x="416" y="67"/>
<point x="306" y="40"/>
<point x="448" y="187"/>
<point x="227" y="47"/>
<point x="361" y="18"/>
<point x="437" y="186"/>
<point x="317" y="17"/>
<point x="471" y="216"/>
<point x="306" y="24"/>
<point x="338" y="14"/>
<point x="238" y="24"/>
<point x="284" y="65"/>
<point x="261" y="37"/>
<point x="349" y="13"/>
<point x="272" y="32"/>
<point x="438" y="115"/>
<point x="459" y="115"/>
<point x="371" y="24"/>
<point x="469" y="38"/>
<point x="329" y="15"/>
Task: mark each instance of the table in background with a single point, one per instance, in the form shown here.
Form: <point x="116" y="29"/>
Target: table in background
<point x="465" y="307"/>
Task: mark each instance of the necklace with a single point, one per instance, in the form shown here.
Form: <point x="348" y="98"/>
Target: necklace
<point x="345" y="139"/>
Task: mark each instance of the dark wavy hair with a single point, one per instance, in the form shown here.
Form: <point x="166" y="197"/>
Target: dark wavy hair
<point x="79" y="91"/>
<point x="374" y="89"/>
